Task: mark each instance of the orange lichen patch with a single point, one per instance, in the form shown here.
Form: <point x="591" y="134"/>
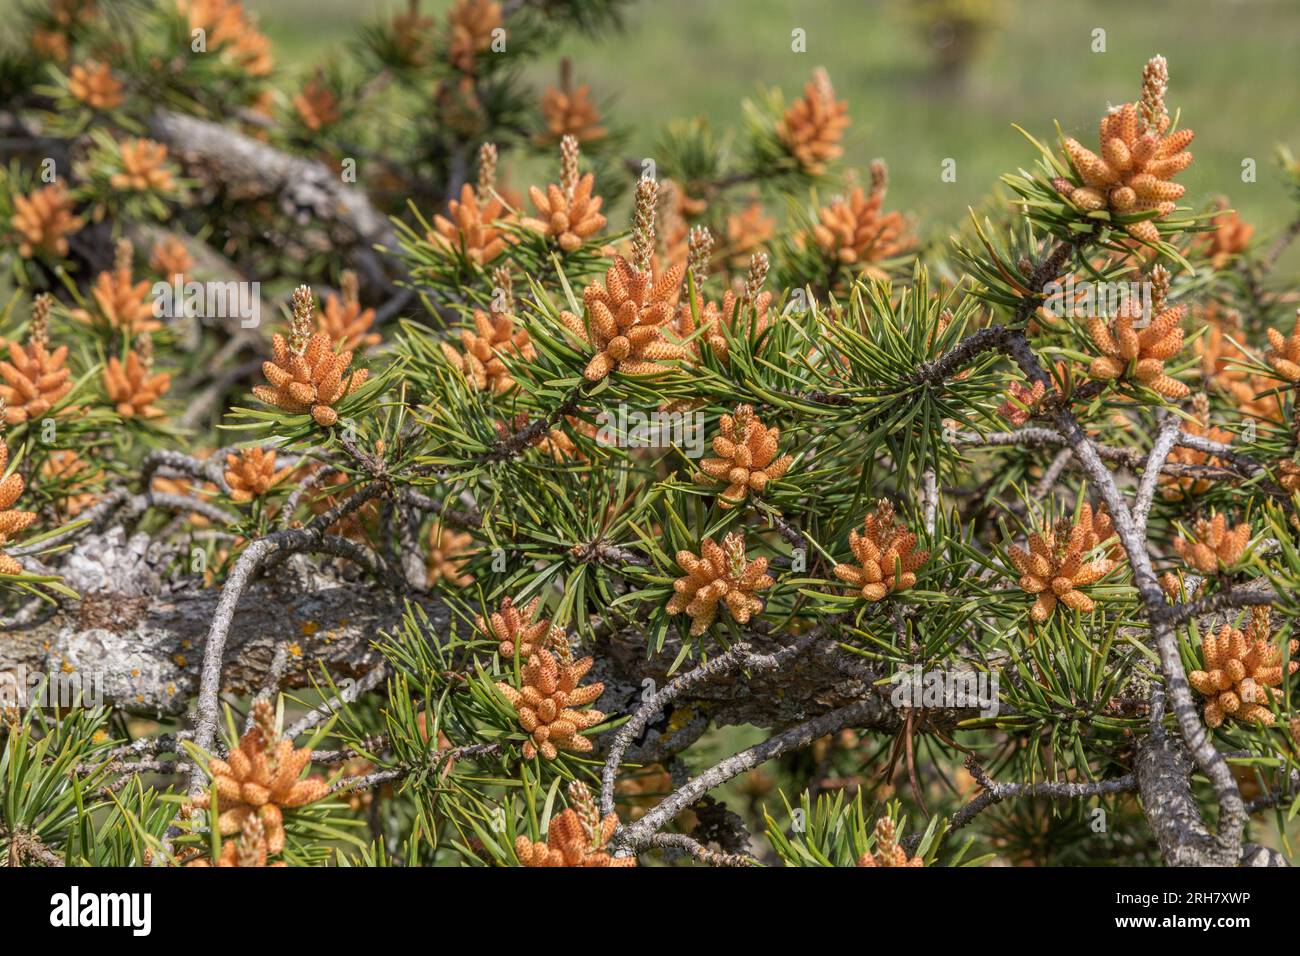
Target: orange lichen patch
<point x="1145" y="350"/>
<point x="548" y="701"/>
<point x="1056" y="565"/>
<point x="44" y="220"/>
<point x="1137" y="163"/>
<point x="306" y="374"/>
<point x="628" y="315"/>
<point x="170" y="257"/>
<point x="1230" y="237"/>
<point x="1242" y="671"/>
<point x="231" y="33"/>
<point x="93" y="83"/>
<point x="1214" y="544"/>
<point x="575" y="837"/>
<point x="12" y="520"/>
<point x="469" y="227"/>
<point x="252" y="473"/>
<point x="569" y="111"/>
<point x="144" y="167"/>
<point x="520" y="631"/>
<point x="886" y="555"/>
<point x="260" y="779"/>
<point x="855" y="231"/>
<point x="721" y="575"/>
<point x="481" y="363"/>
<point x="747" y="460"/>
<point x="316" y="104"/>
<point x="887" y="851"/>
<point x="812" y="126"/>
<point x="448" y="551"/>
<point x="343" y="319"/>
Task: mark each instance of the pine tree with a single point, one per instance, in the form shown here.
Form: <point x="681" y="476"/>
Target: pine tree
<point x="473" y="515"/>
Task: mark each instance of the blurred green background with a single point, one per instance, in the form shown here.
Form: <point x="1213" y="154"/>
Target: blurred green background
<point x="1233" y="66"/>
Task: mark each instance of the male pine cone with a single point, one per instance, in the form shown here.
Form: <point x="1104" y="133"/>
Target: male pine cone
<point x="309" y="381"/>
<point x="1055" y="568"/>
<point x="746" y="460"/>
<point x="720" y="575"/>
<point x="1134" y="171"/>
<point x="547" y="705"/>
<point x="886" y="555"/>
<point x="1242" y="672"/>
<point x="628" y="316"/>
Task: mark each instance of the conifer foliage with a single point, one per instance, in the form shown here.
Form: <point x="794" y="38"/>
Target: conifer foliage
<point x="394" y="468"/>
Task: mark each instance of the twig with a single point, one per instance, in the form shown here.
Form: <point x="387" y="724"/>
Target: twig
<point x="1057" y="790"/>
<point x="628" y="839"/>
<point x="514" y="444"/>
<point x="740" y="655"/>
<point x="688" y="844"/>
<point x="1053" y="474"/>
<point x="1176" y="614"/>
<point x="439" y="758"/>
<point x="930" y="497"/>
<point x="258" y="552"/>
<point x="346" y="696"/>
<point x="1164" y="444"/>
<point x="1232" y="816"/>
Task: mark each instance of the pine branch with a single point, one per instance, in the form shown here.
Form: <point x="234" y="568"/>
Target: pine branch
<point x="631" y="838"/>
<point x="994" y="793"/>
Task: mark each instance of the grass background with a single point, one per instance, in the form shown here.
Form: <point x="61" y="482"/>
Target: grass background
<point x="1233" y="66"/>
